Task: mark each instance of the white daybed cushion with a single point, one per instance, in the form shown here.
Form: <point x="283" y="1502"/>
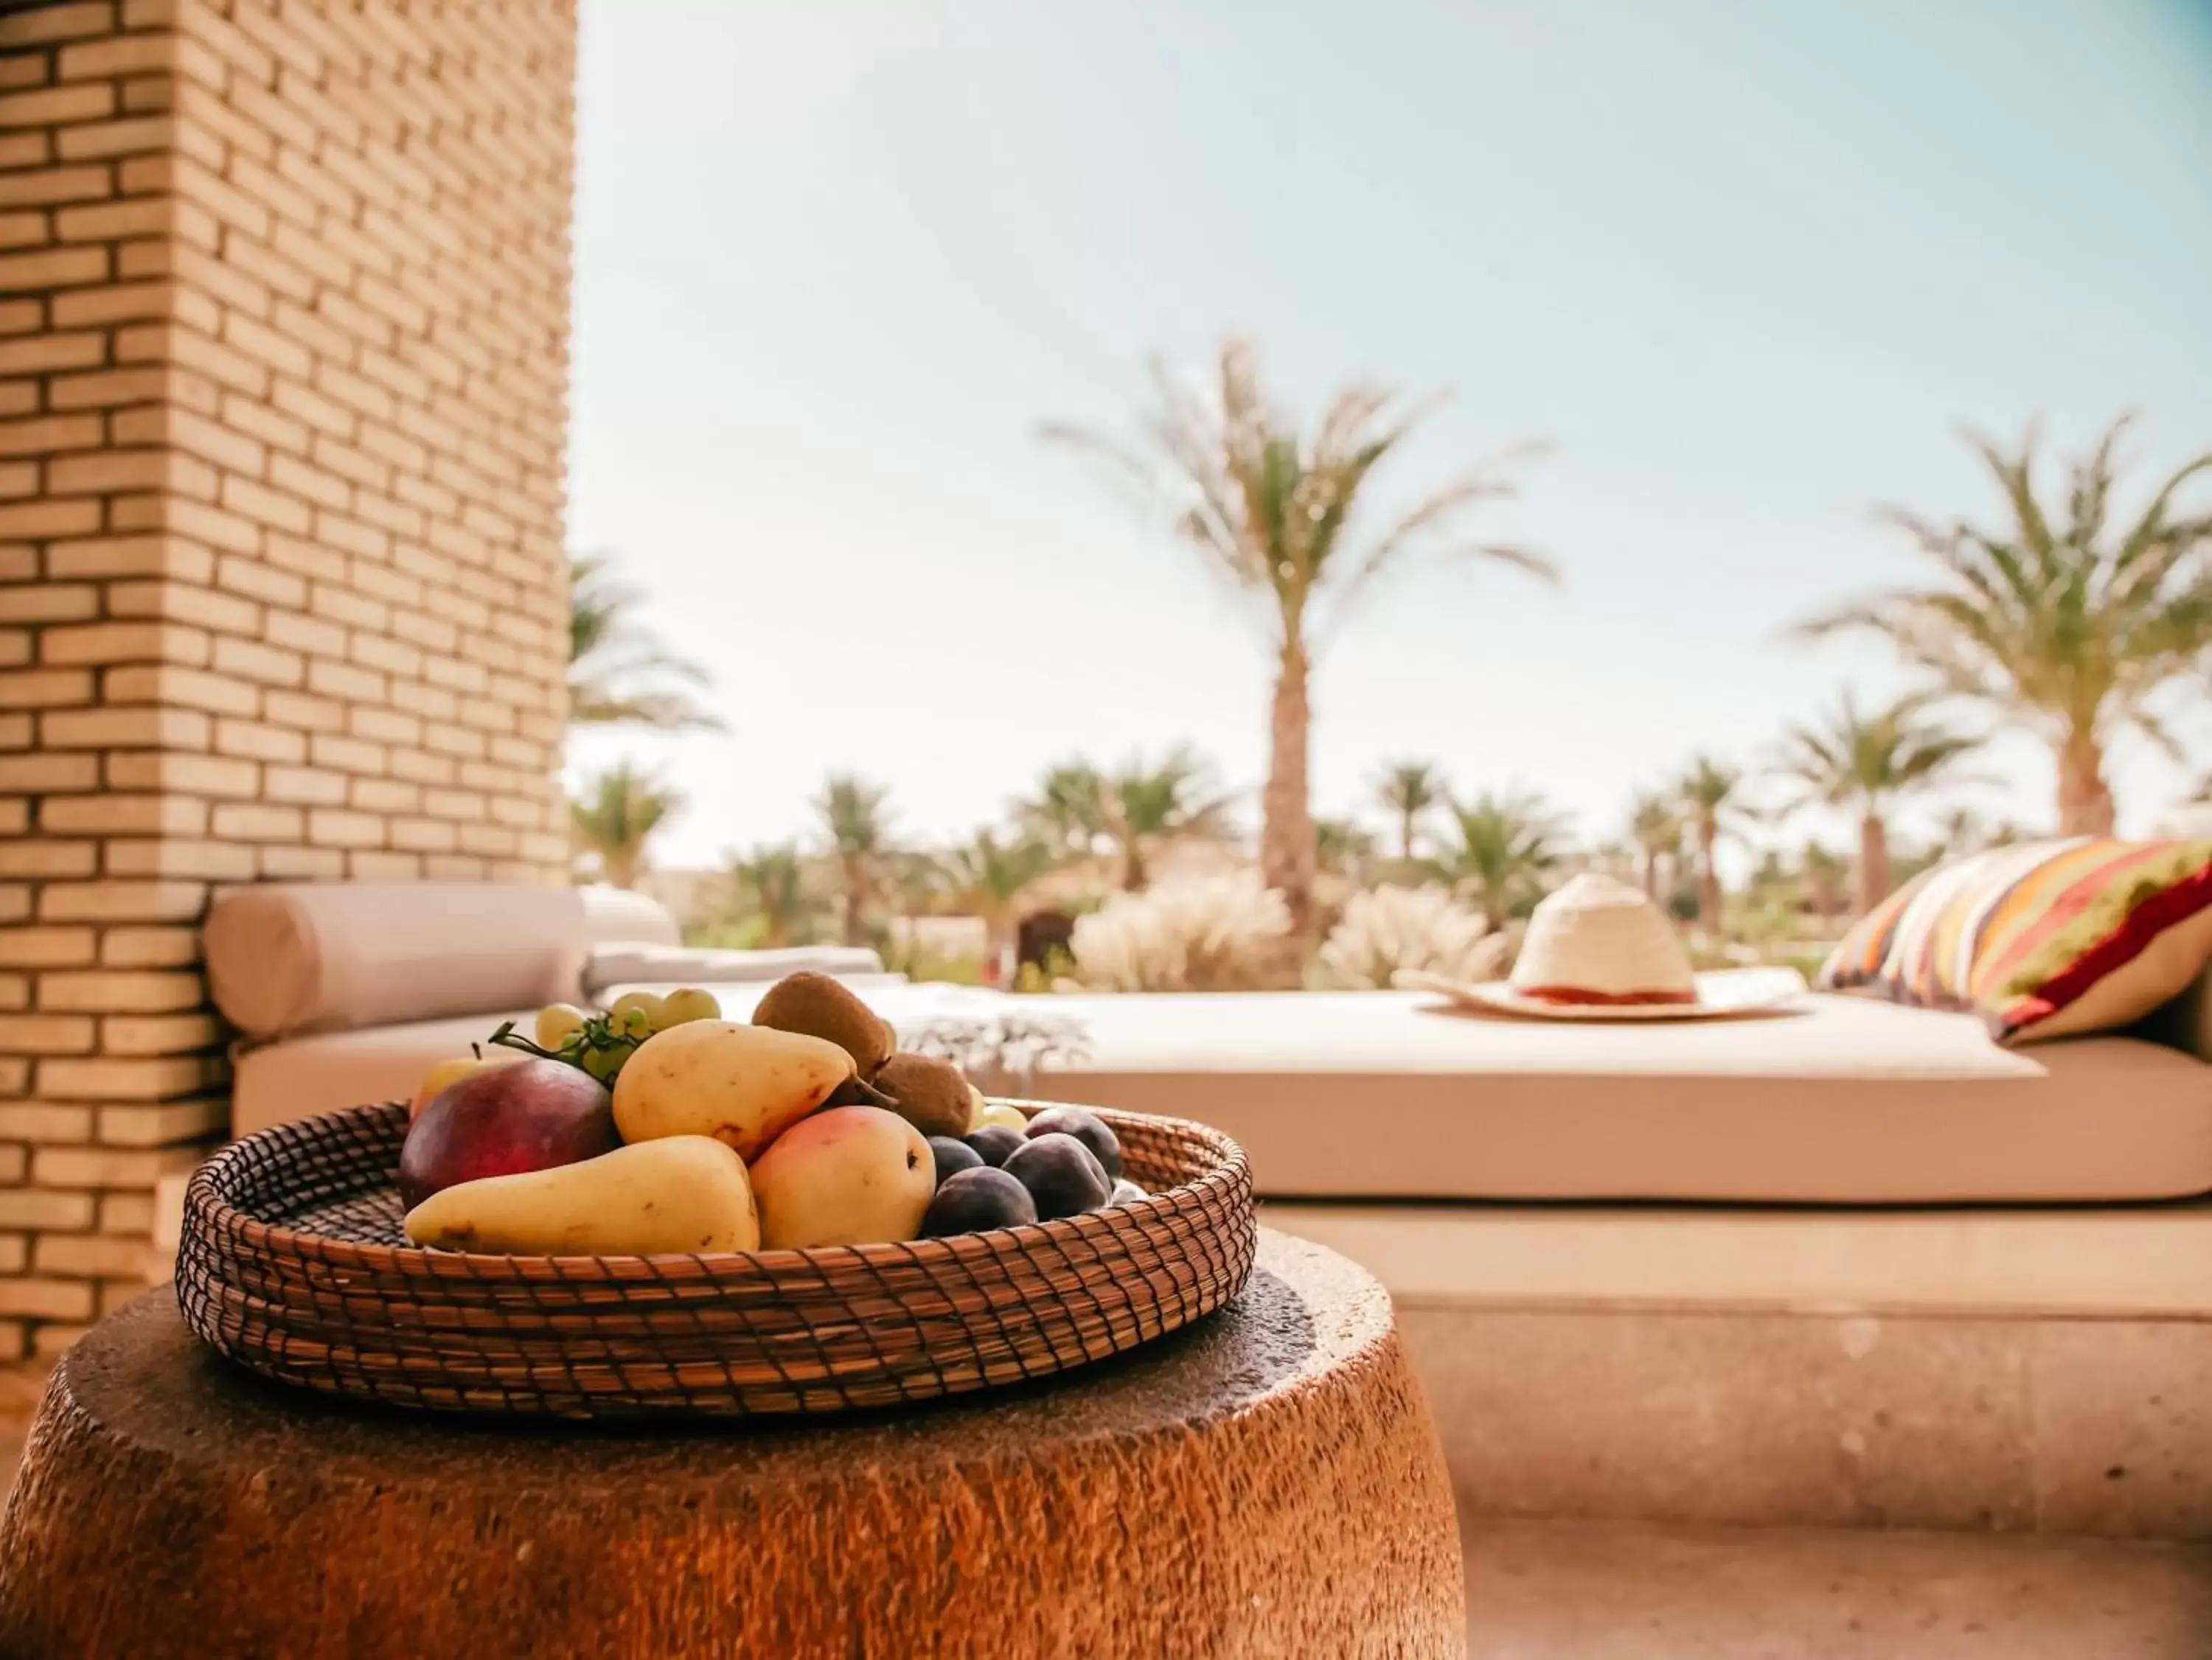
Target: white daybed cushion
<point x="1369" y="1095"/>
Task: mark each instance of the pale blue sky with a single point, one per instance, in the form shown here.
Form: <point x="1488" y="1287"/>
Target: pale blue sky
<point x="1747" y="266"/>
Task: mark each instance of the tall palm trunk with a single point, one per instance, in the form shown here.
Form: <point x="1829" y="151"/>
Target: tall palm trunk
<point x="1651" y="872"/>
<point x="1709" y="881"/>
<point x="1874" y="862"/>
<point x="1286" y="835"/>
<point x="1405" y="837"/>
<point x="2084" y="804"/>
<point x="619" y="865"/>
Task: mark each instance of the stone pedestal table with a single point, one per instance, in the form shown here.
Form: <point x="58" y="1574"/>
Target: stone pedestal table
<point x="1266" y="1483"/>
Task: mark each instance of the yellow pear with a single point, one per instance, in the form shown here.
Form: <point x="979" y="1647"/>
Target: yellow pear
<point x="743" y="1085"/>
<point x="680" y="1193"/>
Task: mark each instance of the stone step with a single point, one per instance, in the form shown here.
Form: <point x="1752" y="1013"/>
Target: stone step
<point x="2015" y="1372"/>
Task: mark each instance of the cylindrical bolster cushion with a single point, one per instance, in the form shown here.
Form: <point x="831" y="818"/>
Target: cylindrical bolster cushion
<point x="287" y="958"/>
<point x="623" y="914"/>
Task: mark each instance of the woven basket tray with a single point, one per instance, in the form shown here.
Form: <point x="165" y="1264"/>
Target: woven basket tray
<point x="293" y="1264"/>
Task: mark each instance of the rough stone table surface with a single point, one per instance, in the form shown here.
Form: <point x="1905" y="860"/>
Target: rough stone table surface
<point x="1266" y="1482"/>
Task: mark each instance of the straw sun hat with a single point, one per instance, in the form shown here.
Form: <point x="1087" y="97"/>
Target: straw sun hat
<point x="1599" y="949"/>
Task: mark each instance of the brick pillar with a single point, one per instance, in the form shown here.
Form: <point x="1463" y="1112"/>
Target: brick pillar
<point x="283" y="312"/>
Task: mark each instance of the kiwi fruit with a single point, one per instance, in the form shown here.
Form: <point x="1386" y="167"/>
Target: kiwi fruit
<point x="818" y="1006"/>
<point x="929" y="1093"/>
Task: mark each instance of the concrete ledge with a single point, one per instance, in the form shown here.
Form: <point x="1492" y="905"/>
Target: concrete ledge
<point x="2152" y="1261"/>
<point x="2015" y="1373"/>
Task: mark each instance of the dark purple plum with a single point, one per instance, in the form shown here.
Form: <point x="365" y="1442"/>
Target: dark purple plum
<point x="952" y="1157"/>
<point x="992" y="1142"/>
<point x="1087" y="1127"/>
<point x="1126" y="1192"/>
<point x="1062" y="1175"/>
<point x="529" y="1115"/>
<point x="973" y="1200"/>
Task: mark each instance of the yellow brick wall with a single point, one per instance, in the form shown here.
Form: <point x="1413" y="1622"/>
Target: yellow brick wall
<point x="284" y="311"/>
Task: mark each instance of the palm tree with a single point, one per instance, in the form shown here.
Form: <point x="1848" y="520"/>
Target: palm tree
<point x="1133" y="811"/>
<point x="618" y="673"/>
<point x="770" y="882"/>
<point x="1410" y="789"/>
<point x="1823" y="870"/>
<point x="1269" y="507"/>
<point x="1503" y="847"/>
<point x="987" y="875"/>
<point x="1655" y="825"/>
<point x="855" y="816"/>
<point x="1865" y="763"/>
<point x="1068" y="811"/>
<point x="1959" y="830"/>
<point x="2062" y="619"/>
<point x="1707" y="791"/>
<point x="617" y="814"/>
<point x="1146" y="808"/>
<point x="1342" y="848"/>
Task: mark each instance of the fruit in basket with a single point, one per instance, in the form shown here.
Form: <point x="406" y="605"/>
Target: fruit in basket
<point x="974" y="1200"/>
<point x="820" y="1008"/>
<point x="1126" y="1192"/>
<point x="1062" y="1174"/>
<point x="951" y="1157"/>
<point x="680" y="1193"/>
<point x="992" y="1142"/>
<point x="930" y="1093"/>
<point x="634" y="1014"/>
<point x="688" y="1003"/>
<point x="1087" y="1127"/>
<point x="743" y="1085"/>
<point x="558" y="1023"/>
<point x="976" y="1107"/>
<point x="1010" y="1117"/>
<point x="597" y="1043"/>
<point x="503" y="1120"/>
<point x="605" y="1064"/>
<point x="444" y="1073"/>
<point x="854" y="1175"/>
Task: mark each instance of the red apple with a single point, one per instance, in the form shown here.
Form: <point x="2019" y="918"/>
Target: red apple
<point x="502" y="1120"/>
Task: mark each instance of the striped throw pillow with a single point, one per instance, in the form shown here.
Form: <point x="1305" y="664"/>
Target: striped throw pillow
<point x="2043" y="940"/>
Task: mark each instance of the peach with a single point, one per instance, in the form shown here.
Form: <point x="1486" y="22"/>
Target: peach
<point x="852" y="1175"/>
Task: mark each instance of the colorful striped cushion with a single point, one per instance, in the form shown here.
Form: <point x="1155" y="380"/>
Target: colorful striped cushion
<point x="2043" y="940"/>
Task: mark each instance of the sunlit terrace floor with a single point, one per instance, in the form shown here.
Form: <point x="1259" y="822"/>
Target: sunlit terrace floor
<point x="1543" y="1591"/>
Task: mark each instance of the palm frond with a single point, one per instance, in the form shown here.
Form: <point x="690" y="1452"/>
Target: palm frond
<point x="1227" y="472"/>
<point x="1864" y="761"/>
<point x="619" y="673"/>
<point x="2069" y="627"/>
<point x="1502" y="846"/>
<point x="616" y="814"/>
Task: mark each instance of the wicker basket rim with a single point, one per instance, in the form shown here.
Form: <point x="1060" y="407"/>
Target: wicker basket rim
<point x="209" y="1207"/>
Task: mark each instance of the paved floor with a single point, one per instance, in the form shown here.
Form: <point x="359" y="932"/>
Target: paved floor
<point x="1542" y="1590"/>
